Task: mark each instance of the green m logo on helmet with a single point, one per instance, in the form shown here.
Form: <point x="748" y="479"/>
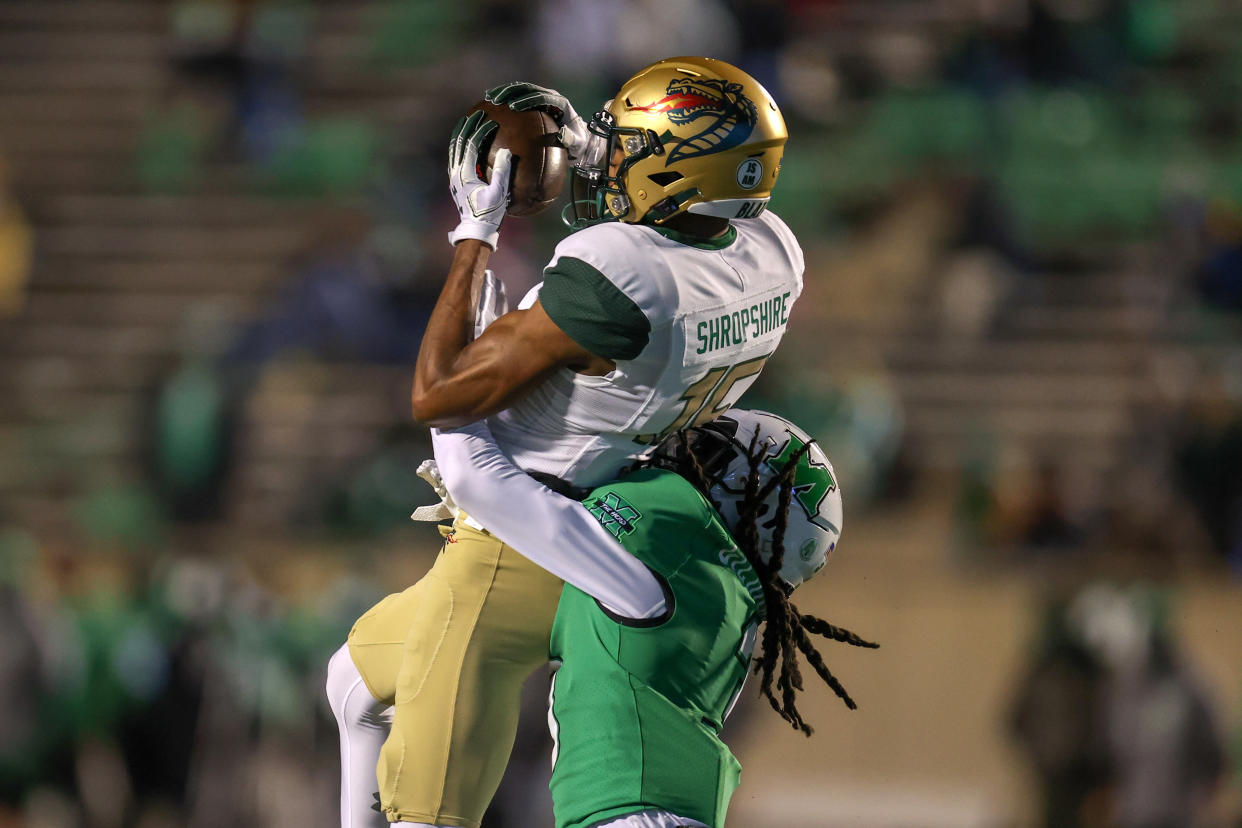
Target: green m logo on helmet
<point x="812" y="481"/>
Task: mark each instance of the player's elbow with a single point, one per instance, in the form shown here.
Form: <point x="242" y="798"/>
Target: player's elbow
<point x="429" y="408"/>
<point x="423" y="405"/>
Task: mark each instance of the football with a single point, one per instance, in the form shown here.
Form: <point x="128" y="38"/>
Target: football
<point x="540" y="163"/>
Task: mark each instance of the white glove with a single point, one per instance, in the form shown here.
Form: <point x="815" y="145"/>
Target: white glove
<point x="493" y="303"/>
<point x="446" y="509"/>
<point x="480" y="204"/>
<point x="521" y="96"/>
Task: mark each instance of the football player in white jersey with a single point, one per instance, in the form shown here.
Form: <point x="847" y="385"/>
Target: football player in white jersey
<point x="655" y="316"/>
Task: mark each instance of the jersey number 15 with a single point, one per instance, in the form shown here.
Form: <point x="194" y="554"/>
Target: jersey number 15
<point x="704" y="400"/>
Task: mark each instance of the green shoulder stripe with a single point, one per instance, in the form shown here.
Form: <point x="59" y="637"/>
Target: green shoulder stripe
<point x="593" y="311"/>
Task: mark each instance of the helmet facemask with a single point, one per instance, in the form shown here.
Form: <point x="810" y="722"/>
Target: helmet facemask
<point x="597" y="194"/>
<point x="712" y="447"/>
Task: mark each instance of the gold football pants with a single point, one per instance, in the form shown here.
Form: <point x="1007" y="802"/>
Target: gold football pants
<point x="450" y="654"/>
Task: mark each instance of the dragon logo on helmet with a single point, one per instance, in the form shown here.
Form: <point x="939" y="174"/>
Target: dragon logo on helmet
<point x="687" y="100"/>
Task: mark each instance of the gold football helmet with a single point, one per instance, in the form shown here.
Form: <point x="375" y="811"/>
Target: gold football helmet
<point x="687" y="134"/>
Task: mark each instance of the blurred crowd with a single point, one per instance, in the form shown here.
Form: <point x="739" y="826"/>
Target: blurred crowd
<point x="1112" y="719"/>
<point x="160" y="691"/>
<point x="962" y="167"/>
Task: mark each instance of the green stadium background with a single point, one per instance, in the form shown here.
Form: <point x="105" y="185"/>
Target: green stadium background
<point x="222" y="229"/>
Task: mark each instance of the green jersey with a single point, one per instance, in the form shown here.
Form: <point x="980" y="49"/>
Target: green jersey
<point x="637" y="705"/>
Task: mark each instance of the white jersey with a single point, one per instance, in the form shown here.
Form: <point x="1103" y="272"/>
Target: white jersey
<point x="688" y="325"/>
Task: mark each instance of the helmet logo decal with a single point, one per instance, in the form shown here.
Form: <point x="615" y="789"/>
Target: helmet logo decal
<point x="812" y="482"/>
<point x="731" y="115"/>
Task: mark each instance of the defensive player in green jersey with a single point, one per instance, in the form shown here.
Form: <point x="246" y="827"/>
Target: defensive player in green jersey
<point x="670" y="573"/>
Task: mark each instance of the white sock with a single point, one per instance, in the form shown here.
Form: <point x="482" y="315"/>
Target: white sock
<point x="363" y="723"/>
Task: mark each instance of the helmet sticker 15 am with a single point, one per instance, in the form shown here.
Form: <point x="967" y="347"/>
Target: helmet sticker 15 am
<point x="749" y="173"/>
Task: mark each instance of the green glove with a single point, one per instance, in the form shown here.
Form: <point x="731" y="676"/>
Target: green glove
<point x="521" y="96"/>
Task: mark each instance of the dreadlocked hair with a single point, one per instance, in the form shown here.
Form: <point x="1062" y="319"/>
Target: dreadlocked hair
<point x="786" y="631"/>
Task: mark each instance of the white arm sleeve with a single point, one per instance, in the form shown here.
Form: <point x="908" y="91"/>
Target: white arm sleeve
<point x="493" y="303"/>
<point x="552" y="530"/>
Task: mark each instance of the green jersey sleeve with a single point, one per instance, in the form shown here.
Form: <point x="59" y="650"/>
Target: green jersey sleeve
<point x="592" y="310"/>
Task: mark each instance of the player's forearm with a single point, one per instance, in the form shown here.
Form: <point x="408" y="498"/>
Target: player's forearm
<point x="553" y="531"/>
<point x="441" y="396"/>
<point x="459" y="380"/>
<point x="488" y="375"/>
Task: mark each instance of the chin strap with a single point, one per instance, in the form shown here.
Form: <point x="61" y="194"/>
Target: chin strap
<point x="669" y="206"/>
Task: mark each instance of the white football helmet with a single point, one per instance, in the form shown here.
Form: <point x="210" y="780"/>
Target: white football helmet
<point x="813" y="527"/>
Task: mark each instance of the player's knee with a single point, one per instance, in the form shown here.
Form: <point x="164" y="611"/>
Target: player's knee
<point x="343" y="678"/>
<point x="351" y="701"/>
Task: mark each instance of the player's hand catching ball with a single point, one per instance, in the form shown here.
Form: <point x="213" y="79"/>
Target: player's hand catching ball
<point x="481" y="204"/>
<point x="521" y="96"/>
